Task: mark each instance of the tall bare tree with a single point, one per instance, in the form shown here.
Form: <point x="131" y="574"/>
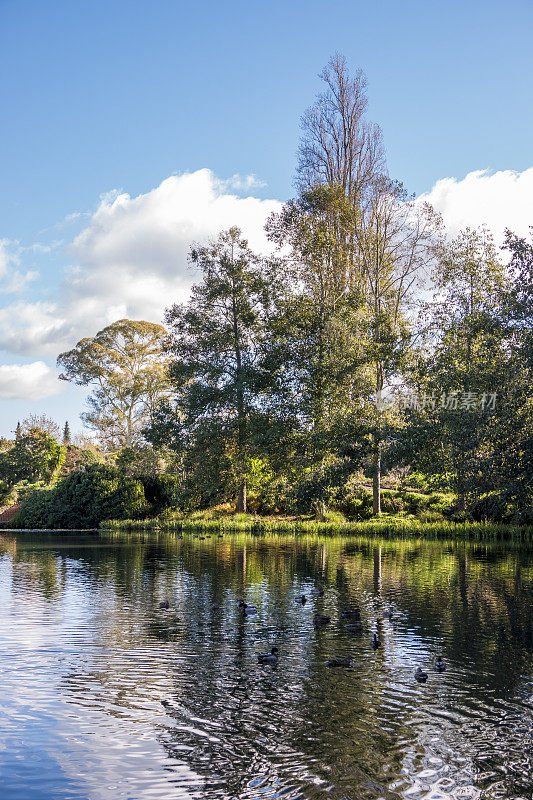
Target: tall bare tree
<point x="339" y="147"/>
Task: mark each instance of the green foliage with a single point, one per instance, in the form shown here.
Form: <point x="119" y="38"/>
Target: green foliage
<point x="273" y="496"/>
<point x="491" y="506"/>
<point x="216" y="341"/>
<point x="35" y="456"/>
<point x="126" y="367"/>
<point x="83" y="499"/>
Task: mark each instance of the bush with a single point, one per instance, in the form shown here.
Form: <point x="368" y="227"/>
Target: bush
<point x="357" y="504"/>
<point x="392" y="502"/>
<point x="415" y="502"/>
<point x="441" y="503"/>
<point x="491" y="506"/>
<point x="161" y="492"/>
<point x="272" y="497"/>
<point x="83" y="499"/>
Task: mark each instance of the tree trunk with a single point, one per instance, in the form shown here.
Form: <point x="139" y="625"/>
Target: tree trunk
<point x="376" y="477"/>
<point x="241" y="497"/>
<point x="376" y="481"/>
<point x="241" y="414"/>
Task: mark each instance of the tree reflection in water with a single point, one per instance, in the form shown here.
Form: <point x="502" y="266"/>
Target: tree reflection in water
<point x="175" y="700"/>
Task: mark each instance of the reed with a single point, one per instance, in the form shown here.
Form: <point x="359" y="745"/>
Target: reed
<point x="380" y="527"/>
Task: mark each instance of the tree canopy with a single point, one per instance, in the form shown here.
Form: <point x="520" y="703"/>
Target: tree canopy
<point x="126" y="367"/>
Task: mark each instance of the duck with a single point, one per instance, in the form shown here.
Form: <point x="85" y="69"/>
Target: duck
<point x="440" y="666"/>
<point x="302" y="599"/>
<point x="375" y="641"/>
<point x="268" y="658"/>
<point x="388" y="613"/>
<point x="421" y="676"/>
<point x="321" y="619"/>
<point x="339" y="661"/>
<point x="247" y="609"/>
<point x="354" y="627"/>
<point x="317" y="592"/>
<point x="352" y="614"/>
<point x="165" y="605"/>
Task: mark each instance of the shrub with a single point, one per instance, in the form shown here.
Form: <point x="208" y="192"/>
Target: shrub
<point x="357" y="505"/>
<point x="272" y="497"/>
<point x="492" y="506"/>
<point x="83" y="499"/>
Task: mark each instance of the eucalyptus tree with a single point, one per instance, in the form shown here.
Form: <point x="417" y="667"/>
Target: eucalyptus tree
<point x="127" y="369"/>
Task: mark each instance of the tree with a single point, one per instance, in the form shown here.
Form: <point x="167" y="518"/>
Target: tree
<point x="35" y="456"/>
<point x="126" y="365"/>
<point x="317" y="329"/>
<point x="216" y="341"/>
<point x="388" y="240"/>
<point x="66" y="434"/>
<point x="395" y="240"/>
<point x="464" y="362"/>
<point x="43" y="423"/>
<point x="339" y="147"/>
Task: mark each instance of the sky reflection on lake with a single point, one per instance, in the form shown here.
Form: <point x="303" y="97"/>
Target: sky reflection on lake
<point x="104" y="695"/>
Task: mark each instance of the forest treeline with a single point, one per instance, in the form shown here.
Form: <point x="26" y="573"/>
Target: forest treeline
<point x="368" y="355"/>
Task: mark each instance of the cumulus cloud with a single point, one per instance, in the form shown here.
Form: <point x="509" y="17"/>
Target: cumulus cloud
<point x="12" y="280"/>
<point x="28" y="381"/>
<point x="241" y="183"/>
<point x="131" y="259"/>
<point x="498" y="200"/>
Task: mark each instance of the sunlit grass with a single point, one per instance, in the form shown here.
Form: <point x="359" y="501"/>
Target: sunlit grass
<point x="384" y="526"/>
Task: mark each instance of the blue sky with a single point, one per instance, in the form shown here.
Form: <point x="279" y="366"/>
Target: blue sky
<point x="119" y="96"/>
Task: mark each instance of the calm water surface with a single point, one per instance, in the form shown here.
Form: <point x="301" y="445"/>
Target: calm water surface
<point x="104" y="696"/>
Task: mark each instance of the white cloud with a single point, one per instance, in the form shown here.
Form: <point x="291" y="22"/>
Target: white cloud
<point x="239" y="183"/>
<point x="498" y="200"/>
<point x="13" y="280"/>
<point x="131" y="260"/>
<point x="28" y="381"/>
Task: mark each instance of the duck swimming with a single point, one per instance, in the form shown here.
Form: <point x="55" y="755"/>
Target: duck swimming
<point x="345" y="661"/>
<point x="354" y="614"/>
<point x="388" y="613"/>
<point x="354" y="627"/>
<point x="268" y="658"/>
<point x="165" y="605"/>
<point x="321" y="619"/>
<point x="302" y="599"/>
<point x="440" y="666"/>
<point x="421" y="676"/>
<point x="246" y="609"/>
<point x="375" y="641"/>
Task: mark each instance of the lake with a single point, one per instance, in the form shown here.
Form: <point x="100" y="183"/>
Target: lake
<point x="104" y="695"/>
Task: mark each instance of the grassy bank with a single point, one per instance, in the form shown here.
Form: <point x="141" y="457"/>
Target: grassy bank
<point x="385" y="526"/>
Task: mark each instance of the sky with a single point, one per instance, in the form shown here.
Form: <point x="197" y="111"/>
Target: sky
<point x="132" y="129"/>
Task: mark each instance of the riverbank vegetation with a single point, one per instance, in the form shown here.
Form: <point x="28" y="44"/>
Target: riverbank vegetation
<point x="371" y="366"/>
